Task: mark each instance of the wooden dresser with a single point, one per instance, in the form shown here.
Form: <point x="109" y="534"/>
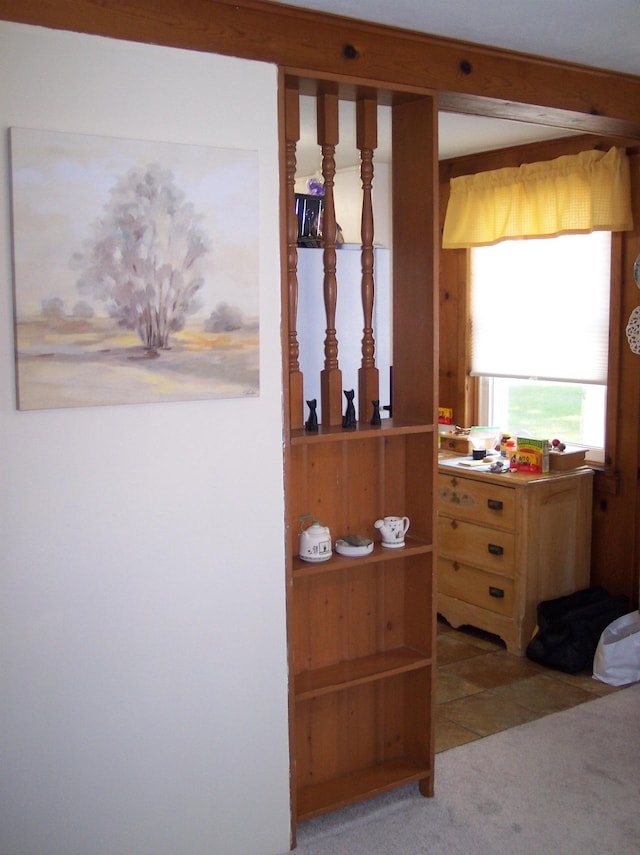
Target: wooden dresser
<point x="508" y="541"/>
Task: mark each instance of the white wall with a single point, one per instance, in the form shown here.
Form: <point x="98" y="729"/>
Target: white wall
<point x="142" y="618"/>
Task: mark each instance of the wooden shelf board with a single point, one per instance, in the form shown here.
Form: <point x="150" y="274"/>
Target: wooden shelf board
<point x="338" y="562"/>
<point x="345" y="675"/>
<point x="338" y="793"/>
<point x="363" y="430"/>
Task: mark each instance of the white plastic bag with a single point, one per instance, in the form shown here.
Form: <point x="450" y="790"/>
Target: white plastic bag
<point x="617" y="659"/>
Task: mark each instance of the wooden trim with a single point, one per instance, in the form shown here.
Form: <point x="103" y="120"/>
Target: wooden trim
<point x="527" y="153"/>
<point x="470" y="385"/>
<point x="606" y="483"/>
<point x="415" y="269"/>
<point x="570" y="120"/>
<point x="473" y="78"/>
<point x="616" y="326"/>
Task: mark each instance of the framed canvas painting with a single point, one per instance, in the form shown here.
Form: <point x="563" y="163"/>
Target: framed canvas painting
<point x="135" y="271"/>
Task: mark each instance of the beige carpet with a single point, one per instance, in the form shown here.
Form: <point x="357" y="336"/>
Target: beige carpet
<point x="566" y="784"/>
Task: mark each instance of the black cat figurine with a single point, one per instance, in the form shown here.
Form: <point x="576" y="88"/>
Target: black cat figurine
<point x="311" y="424"/>
<point x="349" y="418"/>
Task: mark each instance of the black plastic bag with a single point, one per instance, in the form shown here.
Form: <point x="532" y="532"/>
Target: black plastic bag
<point x="569" y="628"/>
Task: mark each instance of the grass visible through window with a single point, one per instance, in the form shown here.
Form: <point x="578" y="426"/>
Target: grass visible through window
<point x="547" y="411"/>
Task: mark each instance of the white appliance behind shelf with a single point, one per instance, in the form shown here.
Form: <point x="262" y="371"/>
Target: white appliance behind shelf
<point x="311" y="321"/>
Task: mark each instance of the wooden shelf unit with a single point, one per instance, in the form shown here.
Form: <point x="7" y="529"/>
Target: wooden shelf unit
<point x="362" y="630"/>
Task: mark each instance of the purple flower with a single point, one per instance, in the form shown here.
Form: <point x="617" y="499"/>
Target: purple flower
<point x="315" y="187"/>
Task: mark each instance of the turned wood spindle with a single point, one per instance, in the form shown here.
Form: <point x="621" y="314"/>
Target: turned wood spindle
<point x="292" y="135"/>
<point x="367" y="141"/>
<point x="330" y="376"/>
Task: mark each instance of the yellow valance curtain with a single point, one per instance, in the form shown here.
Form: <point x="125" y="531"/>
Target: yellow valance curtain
<point x="587" y="192"/>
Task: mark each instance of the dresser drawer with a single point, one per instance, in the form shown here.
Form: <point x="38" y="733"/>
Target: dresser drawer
<point x="466" y="542"/>
<point x="474" y="586"/>
<point x="476" y="501"/>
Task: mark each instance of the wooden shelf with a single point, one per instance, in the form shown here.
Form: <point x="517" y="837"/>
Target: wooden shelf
<point x="344" y="675"/>
<point x="362" y="629"/>
<point x="339" y="792"/>
<point x="393" y="427"/>
<point x="337" y="562"/>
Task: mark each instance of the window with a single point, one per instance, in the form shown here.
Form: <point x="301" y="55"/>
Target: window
<point x="540" y="336"/>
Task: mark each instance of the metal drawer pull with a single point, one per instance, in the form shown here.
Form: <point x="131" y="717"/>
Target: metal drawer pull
<point x="494" y="504"/>
<point x="498" y="593"/>
<point x="494" y="549"/>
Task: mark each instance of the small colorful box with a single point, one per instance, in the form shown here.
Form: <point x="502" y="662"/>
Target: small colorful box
<point x="532" y="455"/>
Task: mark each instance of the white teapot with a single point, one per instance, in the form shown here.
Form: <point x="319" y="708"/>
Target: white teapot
<point x="392" y="530"/>
<point x="314" y="542"/>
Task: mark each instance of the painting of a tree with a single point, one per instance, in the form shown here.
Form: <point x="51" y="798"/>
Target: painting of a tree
<point x="136" y="271"/>
<point x="143" y="258"/>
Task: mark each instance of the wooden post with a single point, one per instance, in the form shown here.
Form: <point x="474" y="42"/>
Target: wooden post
<point x="330" y="376"/>
<point x="367" y="141"/>
<point x="415" y="261"/>
<point x="292" y="135"/>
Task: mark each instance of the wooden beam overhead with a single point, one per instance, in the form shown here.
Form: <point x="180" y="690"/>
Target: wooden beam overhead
<point x="476" y="78"/>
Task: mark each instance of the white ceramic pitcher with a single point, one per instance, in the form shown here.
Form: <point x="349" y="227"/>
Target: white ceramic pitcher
<point x="392" y="530"/>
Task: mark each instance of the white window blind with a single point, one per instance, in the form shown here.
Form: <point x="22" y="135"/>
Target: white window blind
<point x="540" y="308"/>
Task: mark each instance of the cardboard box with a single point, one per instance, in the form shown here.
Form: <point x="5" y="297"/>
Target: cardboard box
<point x="570" y="458"/>
<point x="459" y="444"/>
<point x="532" y="455"/>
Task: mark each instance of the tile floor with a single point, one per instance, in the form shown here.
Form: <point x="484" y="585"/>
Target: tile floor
<point x="482" y="689"/>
